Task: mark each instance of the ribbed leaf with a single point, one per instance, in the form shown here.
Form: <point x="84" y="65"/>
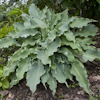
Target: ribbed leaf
<point x="30" y="41"/>
<point x="34" y="74"/>
<point x="52" y="84"/>
<point x="59" y="73"/>
<point x="54" y="44"/>
<point x="41" y="23"/>
<point x="23" y="67"/>
<point x="7" y="71"/>
<point x="33" y="23"/>
<point x="80" y="22"/>
<point x="81" y="75"/>
<point x="67" y="53"/>
<point x="87" y="41"/>
<point x="14" y="80"/>
<point x="70" y="36"/>
<point x="41" y="54"/>
<point x="44" y="34"/>
<point x="6" y="42"/>
<point x="67" y="69"/>
<point x="91" y="54"/>
<point x="21" y="54"/>
<point x="64" y="15"/>
<point x="90" y="28"/>
<point x="25" y="33"/>
<point x="64" y="27"/>
<point x="45" y="78"/>
<point x="64" y="59"/>
<point x="48" y="13"/>
<point x="26" y="19"/>
<point x="70" y="43"/>
<point x="19" y="26"/>
<point x="55" y="19"/>
<point x="59" y="58"/>
<point x="52" y="35"/>
<point x="53" y="65"/>
<point x="33" y="11"/>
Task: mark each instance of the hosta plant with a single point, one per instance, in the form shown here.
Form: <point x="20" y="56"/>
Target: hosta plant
<point x="50" y="48"/>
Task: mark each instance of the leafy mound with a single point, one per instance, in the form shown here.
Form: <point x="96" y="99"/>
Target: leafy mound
<point x="51" y="48"/>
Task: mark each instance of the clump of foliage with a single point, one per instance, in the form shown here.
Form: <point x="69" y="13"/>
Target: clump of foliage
<point x="50" y="47"/>
<point x="4" y="83"/>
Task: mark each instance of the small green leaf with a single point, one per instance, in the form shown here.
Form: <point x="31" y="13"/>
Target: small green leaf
<point x="5" y="83"/>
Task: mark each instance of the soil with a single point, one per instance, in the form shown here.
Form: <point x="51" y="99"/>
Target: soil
<point x="22" y="91"/>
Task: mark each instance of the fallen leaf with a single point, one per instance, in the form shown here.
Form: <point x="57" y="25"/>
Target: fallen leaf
<point x="10" y="96"/>
<point x="98" y="86"/>
<point x="5" y="92"/>
<point x="80" y="92"/>
<point x="76" y="98"/>
<point x="96" y="78"/>
<point x="66" y="96"/>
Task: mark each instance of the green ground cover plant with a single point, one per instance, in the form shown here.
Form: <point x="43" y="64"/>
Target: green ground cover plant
<point x="51" y="47"/>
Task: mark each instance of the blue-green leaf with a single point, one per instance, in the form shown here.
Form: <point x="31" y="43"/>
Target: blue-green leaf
<point x="25" y="33"/>
<point x="81" y="75"/>
<point x="80" y="22"/>
<point x="59" y="73"/>
<point x="33" y="11"/>
<point x="41" y="54"/>
<point x="54" y="44"/>
<point x="34" y="74"/>
<point x="52" y="84"/>
<point x="6" y="42"/>
<point x="91" y="54"/>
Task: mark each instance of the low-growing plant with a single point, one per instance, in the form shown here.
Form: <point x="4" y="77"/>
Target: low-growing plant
<point x="50" y="47"/>
<point x="4" y="83"/>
